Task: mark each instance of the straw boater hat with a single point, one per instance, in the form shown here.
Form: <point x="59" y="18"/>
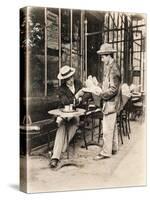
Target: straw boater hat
<point x="65" y="72"/>
<point x="106" y="49"/>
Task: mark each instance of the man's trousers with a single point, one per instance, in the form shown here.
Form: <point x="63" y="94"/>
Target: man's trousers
<point x="60" y="144"/>
<point x="110" y="135"/>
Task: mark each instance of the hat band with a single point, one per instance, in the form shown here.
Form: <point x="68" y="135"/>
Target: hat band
<point x="67" y="73"/>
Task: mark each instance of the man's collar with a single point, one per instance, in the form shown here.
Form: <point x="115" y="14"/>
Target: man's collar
<point x="111" y="61"/>
<point x="70" y="85"/>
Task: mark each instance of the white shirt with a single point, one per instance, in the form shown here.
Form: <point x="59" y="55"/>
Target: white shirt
<point x="72" y="88"/>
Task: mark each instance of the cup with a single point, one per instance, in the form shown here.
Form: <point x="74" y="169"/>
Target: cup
<point x="67" y="107"/>
<point x="71" y="107"/>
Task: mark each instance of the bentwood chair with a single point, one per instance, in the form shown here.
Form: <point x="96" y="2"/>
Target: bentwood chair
<point x="123" y="121"/>
<point x="138" y="107"/>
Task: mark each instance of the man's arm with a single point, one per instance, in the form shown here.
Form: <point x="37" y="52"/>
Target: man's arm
<point x="64" y="98"/>
<point x="81" y="94"/>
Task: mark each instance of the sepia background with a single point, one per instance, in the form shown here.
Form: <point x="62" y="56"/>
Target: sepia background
<point x="58" y="37"/>
<point x="9" y="158"/>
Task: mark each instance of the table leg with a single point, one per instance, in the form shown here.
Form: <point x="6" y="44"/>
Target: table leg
<point x="67" y="133"/>
<point x="68" y="162"/>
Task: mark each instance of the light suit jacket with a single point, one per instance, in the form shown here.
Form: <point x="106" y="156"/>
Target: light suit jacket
<point x="111" y="89"/>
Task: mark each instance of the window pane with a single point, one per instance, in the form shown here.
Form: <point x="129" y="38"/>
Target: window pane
<point x="36" y="52"/>
<point x="52" y="50"/>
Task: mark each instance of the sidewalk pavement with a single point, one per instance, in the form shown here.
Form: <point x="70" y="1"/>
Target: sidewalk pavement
<point x="127" y="168"/>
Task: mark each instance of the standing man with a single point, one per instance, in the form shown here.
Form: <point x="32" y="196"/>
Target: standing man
<point x="111" y="101"/>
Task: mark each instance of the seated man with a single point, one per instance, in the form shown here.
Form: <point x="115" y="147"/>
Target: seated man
<point x="70" y="89"/>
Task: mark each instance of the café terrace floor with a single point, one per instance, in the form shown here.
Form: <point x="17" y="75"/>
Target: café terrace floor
<point x="127" y="168"/>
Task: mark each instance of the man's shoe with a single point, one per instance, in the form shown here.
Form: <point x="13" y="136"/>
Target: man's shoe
<point x="54" y="163"/>
<point x="100" y="157"/>
<point x="114" y="152"/>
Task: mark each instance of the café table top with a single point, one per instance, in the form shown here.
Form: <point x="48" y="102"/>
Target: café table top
<point x="65" y="114"/>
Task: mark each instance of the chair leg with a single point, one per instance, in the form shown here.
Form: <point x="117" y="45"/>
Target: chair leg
<point x="128" y="129"/>
<point x="128" y="121"/>
<point x="92" y="136"/>
<point x="100" y="129"/>
<point x="120" y="127"/>
<point x="122" y="124"/>
<point x="126" y="126"/>
<point x="67" y="139"/>
<point x="128" y="135"/>
<point x="84" y="138"/>
<point x="120" y="132"/>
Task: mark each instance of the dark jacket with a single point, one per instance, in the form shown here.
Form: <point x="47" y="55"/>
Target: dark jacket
<point x="66" y="96"/>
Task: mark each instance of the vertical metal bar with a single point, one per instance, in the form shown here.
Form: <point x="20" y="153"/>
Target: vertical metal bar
<point x="108" y="27"/>
<point x="45" y="81"/>
<point x="121" y="65"/>
<point x="102" y="28"/>
<point x="125" y="51"/>
<point x="59" y="42"/>
<point x="128" y="49"/>
<point x="117" y="37"/>
<point x="140" y="58"/>
<point x="85" y="22"/>
<point x="27" y="78"/>
<point x="71" y="37"/>
<point x="113" y="31"/>
<point x="143" y="86"/>
<point x="81" y="44"/>
<point x="83" y="50"/>
<point x="131" y="74"/>
<point x="27" y="55"/>
<point x="120" y="43"/>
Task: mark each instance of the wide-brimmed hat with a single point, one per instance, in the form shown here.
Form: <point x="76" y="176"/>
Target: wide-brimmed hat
<point x="65" y="72"/>
<point x="106" y="49"/>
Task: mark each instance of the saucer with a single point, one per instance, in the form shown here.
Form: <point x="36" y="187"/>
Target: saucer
<point x="68" y="111"/>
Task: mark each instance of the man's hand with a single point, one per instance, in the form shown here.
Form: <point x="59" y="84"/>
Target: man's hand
<point x="80" y="93"/>
<point x="80" y="99"/>
<point x="59" y="121"/>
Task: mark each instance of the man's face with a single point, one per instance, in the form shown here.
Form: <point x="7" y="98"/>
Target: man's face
<point x="70" y="81"/>
<point x="105" y="59"/>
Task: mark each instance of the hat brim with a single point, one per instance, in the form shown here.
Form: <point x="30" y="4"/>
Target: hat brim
<point x="106" y="52"/>
<point x="60" y="77"/>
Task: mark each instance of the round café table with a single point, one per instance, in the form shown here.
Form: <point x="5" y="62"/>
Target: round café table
<point x="67" y="115"/>
<point x="61" y="112"/>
